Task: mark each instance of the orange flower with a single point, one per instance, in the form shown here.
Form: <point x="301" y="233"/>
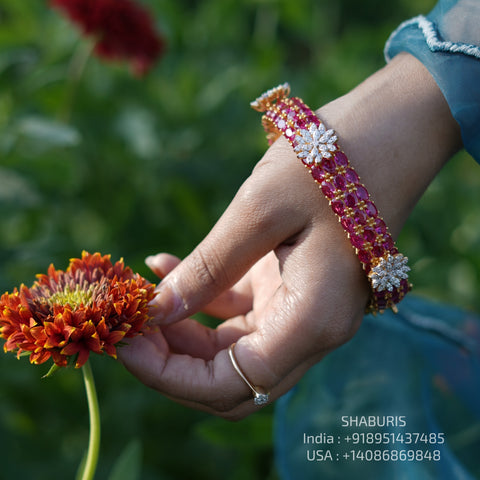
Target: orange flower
<point x="90" y="307"/>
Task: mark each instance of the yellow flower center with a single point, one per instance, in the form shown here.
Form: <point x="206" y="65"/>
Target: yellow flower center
<point x="72" y="296"/>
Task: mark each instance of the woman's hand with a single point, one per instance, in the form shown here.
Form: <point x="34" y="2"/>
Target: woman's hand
<point x="277" y="269"/>
<point x="285" y="312"/>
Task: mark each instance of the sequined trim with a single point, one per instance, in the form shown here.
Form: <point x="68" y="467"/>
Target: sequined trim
<point x="433" y="39"/>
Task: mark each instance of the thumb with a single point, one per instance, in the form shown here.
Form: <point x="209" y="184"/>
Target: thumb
<point x="256" y="222"/>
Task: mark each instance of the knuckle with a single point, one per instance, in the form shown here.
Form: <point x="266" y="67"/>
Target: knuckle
<point x="255" y="212"/>
<point x="335" y="334"/>
<point x="208" y="269"/>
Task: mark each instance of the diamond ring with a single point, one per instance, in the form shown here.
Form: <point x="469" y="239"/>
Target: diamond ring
<point x="260" y="397"/>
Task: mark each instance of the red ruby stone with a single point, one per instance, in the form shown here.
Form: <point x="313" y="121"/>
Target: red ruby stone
<point x="328" y="189"/>
<point x="380" y="295"/>
<point x="357" y="241"/>
<point x="388" y="243"/>
<point x="301" y="123"/>
<point x="371" y="209"/>
<point x="328" y="165"/>
<point x="364" y="256"/>
<point x="338" y="207"/>
<point x="340" y="182"/>
<point x="317" y="174"/>
<point x="369" y="235"/>
<point x="350" y="200"/>
<point x="380" y="226"/>
<point x="381" y="303"/>
<point x="341" y="159"/>
<point x="378" y="250"/>
<point x="351" y="176"/>
<point x="349" y="225"/>
<point x="395" y="296"/>
<point x="361" y="192"/>
<point x="360" y="218"/>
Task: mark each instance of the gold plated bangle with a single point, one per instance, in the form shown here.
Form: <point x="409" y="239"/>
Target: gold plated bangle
<point x="317" y="147"/>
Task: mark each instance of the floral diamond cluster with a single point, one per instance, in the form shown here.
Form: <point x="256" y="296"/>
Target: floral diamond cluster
<point x="314" y="144"/>
<point x="389" y="272"/>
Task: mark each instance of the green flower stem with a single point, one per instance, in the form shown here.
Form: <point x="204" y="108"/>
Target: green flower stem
<point x="91" y="460"/>
<point x="75" y="72"/>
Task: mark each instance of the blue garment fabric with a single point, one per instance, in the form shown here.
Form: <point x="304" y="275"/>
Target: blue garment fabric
<point x="416" y="374"/>
<point x="447" y="42"/>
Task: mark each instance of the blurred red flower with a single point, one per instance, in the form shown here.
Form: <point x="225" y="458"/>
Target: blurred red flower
<point x="90" y="307"/>
<point x="123" y="30"/>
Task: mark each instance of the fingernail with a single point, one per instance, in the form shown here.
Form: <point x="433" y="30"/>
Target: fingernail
<point x="150" y="261"/>
<point x="168" y="306"/>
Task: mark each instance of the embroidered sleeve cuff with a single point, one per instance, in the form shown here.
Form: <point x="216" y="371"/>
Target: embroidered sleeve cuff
<point x="446" y="42"/>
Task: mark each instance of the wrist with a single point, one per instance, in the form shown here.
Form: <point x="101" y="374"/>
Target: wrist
<point x="398" y="132"/>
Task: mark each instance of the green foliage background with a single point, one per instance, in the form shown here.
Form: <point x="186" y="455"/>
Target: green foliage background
<point x="93" y="158"/>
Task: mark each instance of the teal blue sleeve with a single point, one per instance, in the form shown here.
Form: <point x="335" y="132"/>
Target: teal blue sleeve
<point x="447" y="42"/>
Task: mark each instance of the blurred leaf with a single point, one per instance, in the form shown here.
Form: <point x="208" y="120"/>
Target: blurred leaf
<point x="16" y="190"/>
<point x="128" y="465"/>
<point x="136" y="125"/>
<point x="81" y="467"/>
<point x="20" y="59"/>
<point x="44" y="133"/>
<point x="51" y="371"/>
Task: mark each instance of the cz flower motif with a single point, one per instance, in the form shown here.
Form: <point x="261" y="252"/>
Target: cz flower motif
<point x="123" y="30"/>
<point x="388" y="273"/>
<point x="90" y="307"/>
<point x="315" y="143"/>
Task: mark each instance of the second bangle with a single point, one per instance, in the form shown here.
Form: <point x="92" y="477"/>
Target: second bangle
<point x="317" y="147"/>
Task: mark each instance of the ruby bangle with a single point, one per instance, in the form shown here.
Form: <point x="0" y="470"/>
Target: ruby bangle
<point x="318" y="149"/>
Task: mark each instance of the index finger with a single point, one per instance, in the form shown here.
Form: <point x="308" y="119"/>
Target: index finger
<point x="261" y="216"/>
